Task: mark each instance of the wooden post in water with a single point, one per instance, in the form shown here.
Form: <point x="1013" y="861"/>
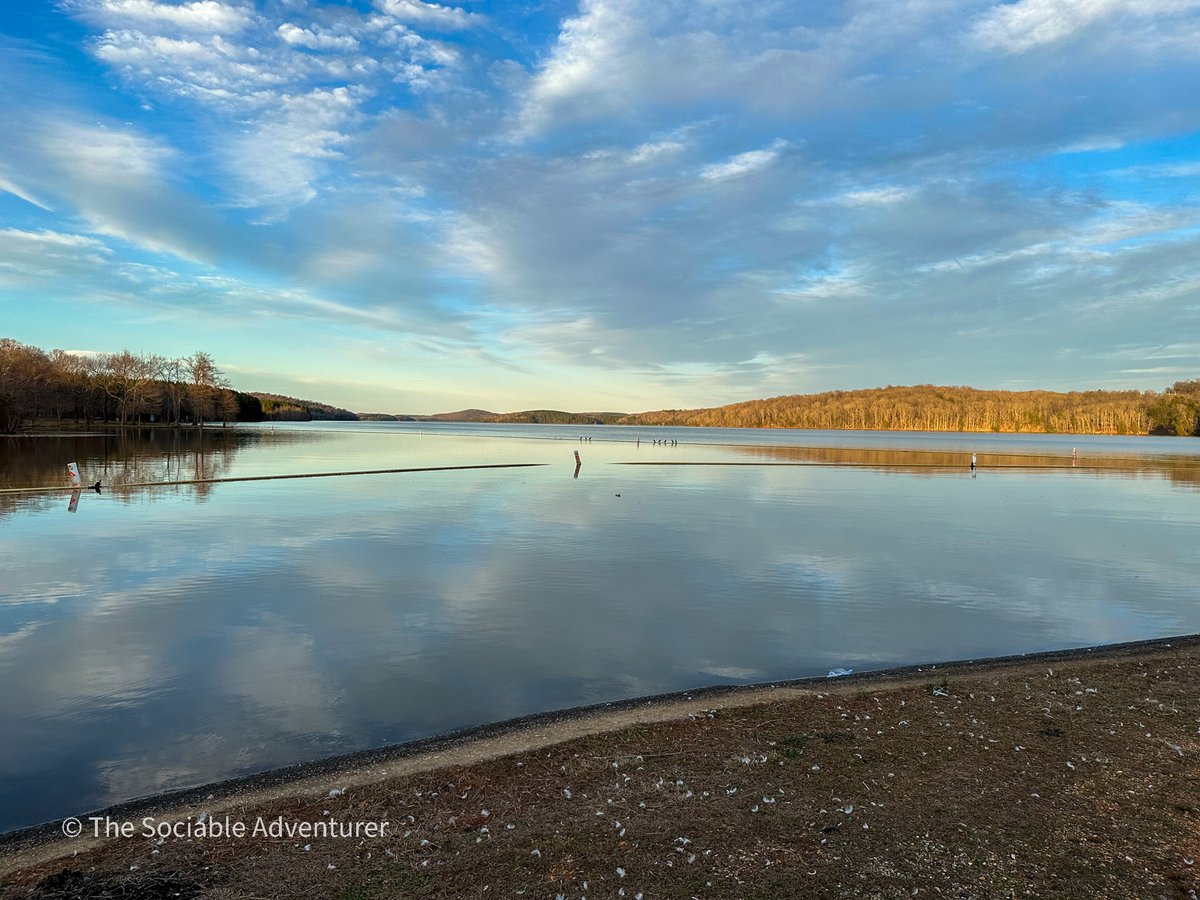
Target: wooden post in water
<point x="577" y="463"/>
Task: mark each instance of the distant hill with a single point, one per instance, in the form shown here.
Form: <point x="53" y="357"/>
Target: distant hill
<point x="531" y="416"/>
<point x="279" y="408"/>
<point x="558" y="417"/>
<point x="927" y="407"/>
<point x="463" y="415"/>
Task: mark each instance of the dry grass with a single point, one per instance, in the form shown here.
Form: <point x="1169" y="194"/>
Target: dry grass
<point x="1079" y="779"/>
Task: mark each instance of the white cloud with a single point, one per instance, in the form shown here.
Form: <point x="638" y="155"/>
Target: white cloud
<point x="1095" y="144"/>
<point x="315" y="38"/>
<point x="588" y="58"/>
<point x="212" y="70"/>
<point x="122" y="183"/>
<point x="741" y="164"/>
<point x="1158" y="351"/>
<point x="647" y="59"/>
<point x="12" y="188"/>
<point x="272" y="303"/>
<point x="471" y="248"/>
<point x="209" y="16"/>
<point x="1160" y="170"/>
<point x="52" y="242"/>
<point x="103" y="156"/>
<point x="1020" y="26"/>
<point x="279" y="95"/>
<point x="848" y="282"/>
<point x="132" y="48"/>
<point x="654" y="151"/>
<point x="969" y="262"/>
<point x="27" y="256"/>
<point x="876" y="196"/>
<point x="1028" y="24"/>
<point x="280" y="162"/>
<point x="432" y="14"/>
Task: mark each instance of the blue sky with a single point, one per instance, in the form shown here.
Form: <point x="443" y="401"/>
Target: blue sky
<point x="401" y="206"/>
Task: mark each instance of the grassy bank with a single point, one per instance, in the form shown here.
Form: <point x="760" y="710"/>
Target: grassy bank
<point x="1070" y="776"/>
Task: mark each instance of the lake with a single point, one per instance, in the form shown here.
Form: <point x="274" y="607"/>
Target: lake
<point x="162" y="637"/>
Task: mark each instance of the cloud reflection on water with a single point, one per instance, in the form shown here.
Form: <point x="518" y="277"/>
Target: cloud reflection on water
<point x="161" y="642"/>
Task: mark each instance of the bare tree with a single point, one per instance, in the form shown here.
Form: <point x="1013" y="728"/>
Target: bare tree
<point x="75" y="384"/>
<point x="130" y="380"/>
<point x="24" y="377"/>
<point x="175" y="376"/>
<point x="204" y="392"/>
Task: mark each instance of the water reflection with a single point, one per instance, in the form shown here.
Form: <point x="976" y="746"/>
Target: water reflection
<point x="150" y="645"/>
<point x="133" y="456"/>
<point x="1182" y="470"/>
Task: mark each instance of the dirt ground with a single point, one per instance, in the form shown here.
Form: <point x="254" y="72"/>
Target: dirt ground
<point x="1068" y="776"/>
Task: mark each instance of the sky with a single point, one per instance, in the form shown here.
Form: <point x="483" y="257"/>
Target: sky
<point x="612" y="205"/>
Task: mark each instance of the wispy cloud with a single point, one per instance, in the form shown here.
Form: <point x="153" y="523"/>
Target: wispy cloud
<point x="876" y="196"/>
<point x="433" y="14"/>
<point x="1029" y="24"/>
<point x="27" y="258"/>
<point x="741" y="164"/>
<point x="119" y="181"/>
<point x="200" y="15"/>
<point x="17" y="191"/>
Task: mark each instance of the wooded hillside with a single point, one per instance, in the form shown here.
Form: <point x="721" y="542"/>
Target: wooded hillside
<point x="932" y="408"/>
<point x="276" y="407"/>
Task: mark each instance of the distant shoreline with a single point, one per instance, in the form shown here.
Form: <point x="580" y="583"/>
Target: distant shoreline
<point x="114" y="429"/>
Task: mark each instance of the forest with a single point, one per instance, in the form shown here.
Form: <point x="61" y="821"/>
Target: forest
<point x="932" y="408"/>
<point x="129" y="388"/>
<point x="123" y="388"/>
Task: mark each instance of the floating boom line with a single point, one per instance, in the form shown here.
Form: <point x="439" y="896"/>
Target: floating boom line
<point x="154" y="484"/>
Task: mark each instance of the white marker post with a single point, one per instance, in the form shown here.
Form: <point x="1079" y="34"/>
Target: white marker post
<point x="73" y="472"/>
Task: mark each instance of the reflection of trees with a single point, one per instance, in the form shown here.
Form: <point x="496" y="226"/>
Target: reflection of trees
<point x="1183" y="470"/>
<point x="134" y="456"/>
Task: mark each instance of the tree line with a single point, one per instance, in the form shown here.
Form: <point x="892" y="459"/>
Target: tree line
<point x="129" y="388"/>
<point x="124" y="388"/>
<point x="931" y="408"/>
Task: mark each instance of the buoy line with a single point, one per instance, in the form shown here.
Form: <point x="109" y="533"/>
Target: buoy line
<point x="149" y="484"/>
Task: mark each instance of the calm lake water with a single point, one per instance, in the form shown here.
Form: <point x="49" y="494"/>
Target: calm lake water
<point x="159" y="638"/>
